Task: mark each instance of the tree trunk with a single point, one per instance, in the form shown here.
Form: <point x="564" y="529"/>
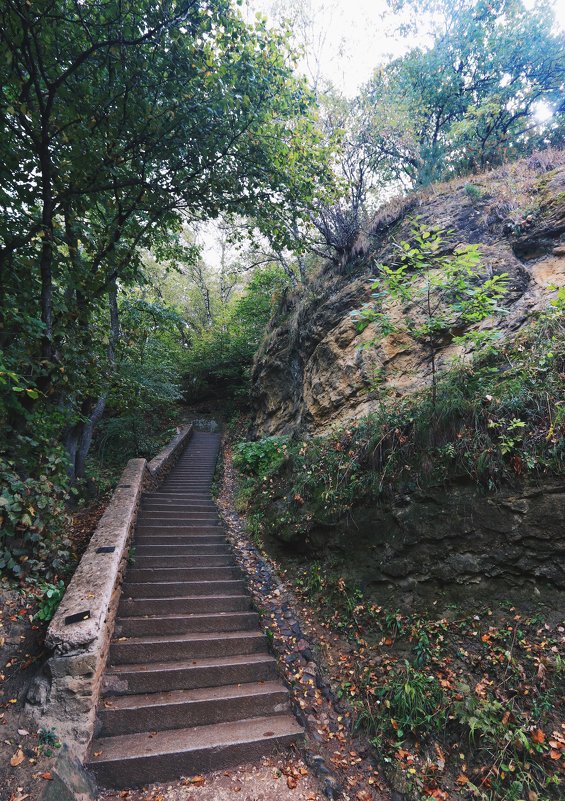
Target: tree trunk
<point x="79" y="438"/>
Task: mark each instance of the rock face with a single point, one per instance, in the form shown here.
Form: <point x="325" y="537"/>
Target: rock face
<point x="311" y="373"/>
<point x="432" y="540"/>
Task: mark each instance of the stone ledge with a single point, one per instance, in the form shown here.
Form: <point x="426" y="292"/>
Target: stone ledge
<point x="94" y="580"/>
<point x="162" y="463"/>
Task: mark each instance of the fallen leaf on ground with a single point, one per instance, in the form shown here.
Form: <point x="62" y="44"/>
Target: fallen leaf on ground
<point x="291" y="782"/>
<point x="47" y="775"/>
<point x="17" y="759"/>
<point x="538" y="736"/>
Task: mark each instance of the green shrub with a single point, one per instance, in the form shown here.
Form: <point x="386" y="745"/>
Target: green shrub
<point x="262" y="457"/>
<point x="50" y="600"/>
<point x="33" y="516"/>
<point x="414" y="700"/>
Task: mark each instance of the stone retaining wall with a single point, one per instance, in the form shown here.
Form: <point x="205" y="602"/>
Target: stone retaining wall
<point x="166" y="459"/>
<point x="64" y="697"/>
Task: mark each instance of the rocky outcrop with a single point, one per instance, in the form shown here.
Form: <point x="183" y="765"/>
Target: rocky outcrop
<point x="312" y="372"/>
<point x="430" y="541"/>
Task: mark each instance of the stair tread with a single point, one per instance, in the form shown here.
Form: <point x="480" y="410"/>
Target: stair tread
<point x="218" y="735"/>
<point x="223" y="692"/>
<point x="189" y="616"/>
<point x="171" y="598"/>
<point x="209" y="636"/>
<point x="183" y="664"/>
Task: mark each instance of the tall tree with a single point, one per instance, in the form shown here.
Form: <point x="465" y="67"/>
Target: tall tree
<point x="471" y="98"/>
<point x="115" y="119"/>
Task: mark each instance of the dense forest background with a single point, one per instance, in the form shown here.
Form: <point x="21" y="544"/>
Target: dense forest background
<point x="127" y="127"/>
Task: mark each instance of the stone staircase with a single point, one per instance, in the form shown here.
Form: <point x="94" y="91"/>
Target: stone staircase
<point x="190" y="686"/>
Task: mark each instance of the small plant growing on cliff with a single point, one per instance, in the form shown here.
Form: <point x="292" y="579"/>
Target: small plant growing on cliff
<point x="439" y="293"/>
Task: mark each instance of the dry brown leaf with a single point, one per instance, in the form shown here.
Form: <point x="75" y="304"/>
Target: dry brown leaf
<point x="555" y="754"/>
<point x="197" y="779"/>
<point x="291" y="782"/>
<point x="17" y="759"/>
<point x="47" y="775"/>
<point x="462" y="779"/>
<point x="538" y="736"/>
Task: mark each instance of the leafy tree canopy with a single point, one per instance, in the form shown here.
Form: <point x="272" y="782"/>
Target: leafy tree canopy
<point x="471" y="98"/>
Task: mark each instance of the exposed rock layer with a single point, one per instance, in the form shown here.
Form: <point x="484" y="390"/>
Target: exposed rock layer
<point x="427" y="541"/>
<point x="311" y="373"/>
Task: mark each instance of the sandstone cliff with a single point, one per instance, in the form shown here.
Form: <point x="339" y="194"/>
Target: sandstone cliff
<point x="311" y="373"/>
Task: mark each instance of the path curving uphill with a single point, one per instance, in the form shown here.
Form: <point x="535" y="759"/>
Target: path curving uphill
<point x="190" y="686"/>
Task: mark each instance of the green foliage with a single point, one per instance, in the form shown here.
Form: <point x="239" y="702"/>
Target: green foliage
<point x="49" y="600"/>
<point x="471" y="716"/>
<point x="414" y="700"/>
<point x="47" y="740"/>
<point x="469" y="100"/>
<point x="141" y="404"/>
<point x="261" y="458"/>
<point x="119" y="123"/>
<point x="220" y="357"/>
<point x="439" y="293"/>
<point x="473" y="191"/>
<point x="33" y="518"/>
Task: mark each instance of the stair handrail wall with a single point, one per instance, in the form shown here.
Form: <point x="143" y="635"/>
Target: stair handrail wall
<point x="65" y="695"/>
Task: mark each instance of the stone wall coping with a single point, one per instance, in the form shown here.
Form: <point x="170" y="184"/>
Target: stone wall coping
<point x="94" y="580"/>
<point x="167" y="457"/>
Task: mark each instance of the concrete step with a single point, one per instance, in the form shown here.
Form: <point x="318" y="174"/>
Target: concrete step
<point x="189" y="477"/>
<point x="178" y="548"/>
<point x="188" y="481"/>
<point x="179" y="503"/>
<point x="202" y="541"/>
<point x="187" y="604"/>
<point x="137" y="759"/>
<point x="188" y="536"/>
<point x="157" y="518"/>
<point x="185" y="495"/>
<point x="189" y="512"/>
<point x="154" y="574"/>
<point x="170" y="589"/>
<point x="155" y="677"/>
<point x="194" y="527"/>
<point x="196" y="560"/>
<point x="185" y="623"/>
<point x="190" y="528"/>
<point x="193" y="472"/>
<point x="180" y="709"/>
<point x="174" y="647"/>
